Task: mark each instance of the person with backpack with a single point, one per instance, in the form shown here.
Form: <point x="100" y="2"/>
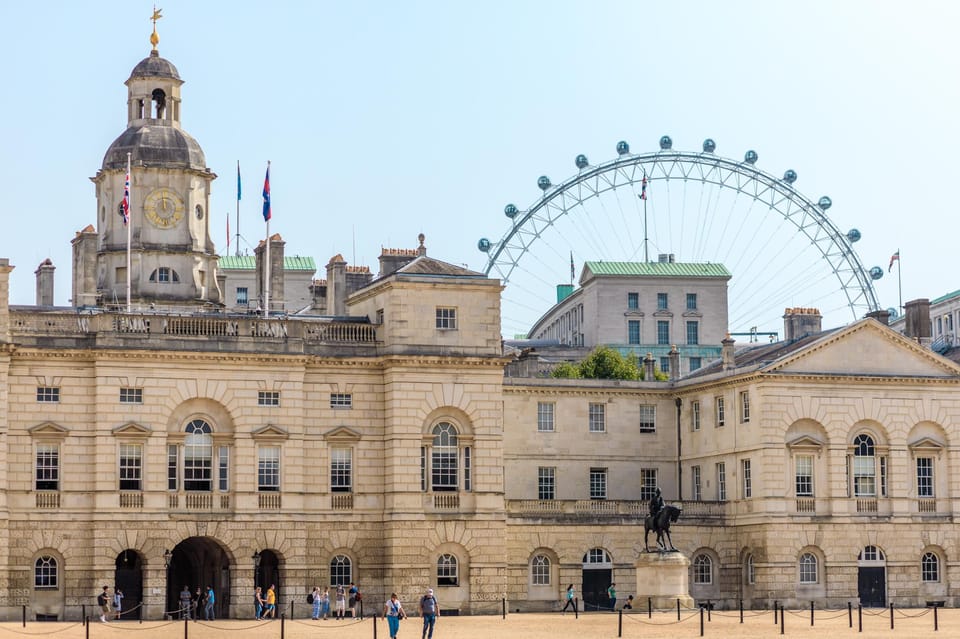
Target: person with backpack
<point x="429" y="610"/>
<point x="103" y="600"/>
<point x="314" y="599"/>
<point x="393" y="611"/>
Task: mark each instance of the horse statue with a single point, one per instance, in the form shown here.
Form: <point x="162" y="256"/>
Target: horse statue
<point x="660" y="523"/>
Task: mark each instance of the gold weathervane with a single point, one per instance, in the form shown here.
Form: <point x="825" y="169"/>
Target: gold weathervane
<point x="154" y="38"/>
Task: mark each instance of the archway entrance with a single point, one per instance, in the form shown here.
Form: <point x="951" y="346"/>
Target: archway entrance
<point x="872" y="577"/>
<point x="128" y="579"/>
<point x="199" y="562"/>
<point x="268" y="574"/>
<point x="597" y="577"/>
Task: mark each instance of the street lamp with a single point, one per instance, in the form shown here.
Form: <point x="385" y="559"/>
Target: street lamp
<point x="167" y="556"/>
<point x="256" y="567"/>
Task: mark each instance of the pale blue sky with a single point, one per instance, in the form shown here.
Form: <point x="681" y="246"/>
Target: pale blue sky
<point x="385" y="119"/>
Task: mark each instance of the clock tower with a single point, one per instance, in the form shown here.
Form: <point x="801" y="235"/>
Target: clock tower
<point x="173" y="260"/>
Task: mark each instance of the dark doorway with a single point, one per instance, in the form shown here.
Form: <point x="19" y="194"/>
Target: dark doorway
<point x="595" y="584"/>
<point x="269" y="575"/>
<point x="871" y="585"/>
<point x="128" y="579"/>
<point x="199" y="562"/>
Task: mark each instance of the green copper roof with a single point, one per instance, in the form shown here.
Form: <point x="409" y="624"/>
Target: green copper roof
<point x="249" y="263"/>
<point x="658" y="269"/>
<point x="944" y="298"/>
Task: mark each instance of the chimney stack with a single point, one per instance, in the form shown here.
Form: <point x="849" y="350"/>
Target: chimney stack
<point x="799" y="322"/>
<point x="882" y="316"/>
<point x="917" y="321"/>
<point x="649" y="369"/>
<point x="44" y="275"/>
<point x="727" y="353"/>
<point x="5" y="269"/>
<point x="337" y="286"/>
<point x="674" y="356"/>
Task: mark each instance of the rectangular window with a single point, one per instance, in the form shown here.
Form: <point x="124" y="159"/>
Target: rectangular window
<point x="48" y="394"/>
<point x="744" y="407"/>
<point x="163" y="274"/>
<point x="924" y="477"/>
<point x="883" y="476"/>
<point x="423" y="469"/>
<point x="268" y="398"/>
<point x="633" y="301"/>
<point x="747" y="479"/>
<point x="48" y="467"/>
<point x="695" y="363"/>
<point x="693" y="333"/>
<point x="446" y="318"/>
<point x="648" y="418"/>
<point x="664" y="364"/>
<point x="341" y="470"/>
<point x="633" y="331"/>
<point x="341" y="400"/>
<point x="379" y="316"/>
<point x="223" y="468"/>
<point x="661" y="301"/>
<point x="545" y="412"/>
<point x="173" y="455"/>
<point x="546" y="482"/>
<point x="695" y="410"/>
<point x="131" y="467"/>
<point x="691" y="301"/>
<point x="242" y="298"/>
<point x="648" y="483"/>
<point x="598" y="483"/>
<point x="596" y="418"/>
<point x="721" y="481"/>
<point x="443" y="467"/>
<point x="721" y="416"/>
<point x="467" y="464"/>
<point x="663" y="332"/>
<point x="804" y="475"/>
<point x="697" y="489"/>
<point x="864" y="476"/>
<point x="268" y="469"/>
<point x="131" y="395"/>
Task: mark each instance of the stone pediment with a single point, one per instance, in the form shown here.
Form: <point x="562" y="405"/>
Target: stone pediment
<point x="866" y="348"/>
<point x="805" y="441"/>
<point x="48" y="429"/>
<point x="342" y="434"/>
<point x="270" y="432"/>
<point x="132" y="429"/>
<point x="927" y="444"/>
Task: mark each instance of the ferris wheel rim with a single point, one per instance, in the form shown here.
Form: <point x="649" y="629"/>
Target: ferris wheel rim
<point x="854" y="279"/>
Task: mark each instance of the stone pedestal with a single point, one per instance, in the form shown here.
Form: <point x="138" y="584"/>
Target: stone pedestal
<point x="664" y="578"/>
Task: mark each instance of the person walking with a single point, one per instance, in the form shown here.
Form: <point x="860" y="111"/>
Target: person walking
<point x="117" y="602"/>
<point x="393" y="611"/>
<point x="258" y="603"/>
<point x="429" y="610"/>
<point x="209" y="600"/>
<point x="103" y="600"/>
<point x="612" y="594"/>
<point x="317" y="604"/>
<point x="352" y="600"/>
<point x="570" y="600"/>
<point x="271" y="609"/>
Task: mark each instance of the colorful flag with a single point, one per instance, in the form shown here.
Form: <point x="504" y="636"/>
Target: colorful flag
<point x="238" y="184"/>
<point x="572" y="270"/>
<point x="894" y="258"/>
<point x="643" y="188"/>
<point x="125" y="204"/>
<point x="266" y="195"/>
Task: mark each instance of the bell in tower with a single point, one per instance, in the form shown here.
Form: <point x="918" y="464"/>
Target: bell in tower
<point x="172" y="258"/>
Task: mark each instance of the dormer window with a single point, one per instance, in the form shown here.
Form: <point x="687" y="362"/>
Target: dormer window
<point x="164" y="275"/>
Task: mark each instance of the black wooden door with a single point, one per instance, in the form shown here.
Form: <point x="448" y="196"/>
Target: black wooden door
<point x="595" y="584"/>
<point x="871" y="584"/>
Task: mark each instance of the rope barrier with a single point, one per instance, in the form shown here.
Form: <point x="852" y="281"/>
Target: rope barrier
<point x="899" y="611"/>
<point x="672" y="622"/>
<point x="317" y="624"/>
<point x="37" y="634"/>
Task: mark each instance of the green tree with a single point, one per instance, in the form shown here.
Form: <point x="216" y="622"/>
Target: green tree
<point x="602" y="363"/>
<point x="566" y="370"/>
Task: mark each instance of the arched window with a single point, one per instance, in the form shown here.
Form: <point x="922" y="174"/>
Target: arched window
<point x="164" y="275"/>
<point x="864" y="467"/>
<point x="198" y="456"/>
<point x="702" y="569"/>
<point x="750" y="571"/>
<point x="808" y="568"/>
<point x="341" y="571"/>
<point x="45" y="573"/>
<point x="596" y="558"/>
<point x="159" y="99"/>
<point x="447" y="574"/>
<point x="871" y="553"/>
<point x="930" y="568"/>
<point x="540" y="570"/>
<point x="443" y="461"/>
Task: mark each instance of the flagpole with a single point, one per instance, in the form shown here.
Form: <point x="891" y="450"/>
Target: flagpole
<point x="129" y="227"/>
<point x="266" y="296"/>
<point x="237" y="248"/>
<point x="899" y="282"/>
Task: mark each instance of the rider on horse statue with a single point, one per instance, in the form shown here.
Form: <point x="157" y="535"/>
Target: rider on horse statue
<point x="659" y="522"/>
<point x="656" y="504"/>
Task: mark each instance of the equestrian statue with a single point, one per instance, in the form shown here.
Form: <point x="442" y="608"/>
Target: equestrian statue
<point x="659" y="521"/>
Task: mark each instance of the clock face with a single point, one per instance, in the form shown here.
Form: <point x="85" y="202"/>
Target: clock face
<point x="163" y="208"/>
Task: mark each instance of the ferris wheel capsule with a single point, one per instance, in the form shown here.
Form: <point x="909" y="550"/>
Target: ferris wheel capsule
<point x="825" y="203"/>
<point x="709" y="146"/>
<point x="582" y="161"/>
<point x="510" y="210"/>
<point x="666" y="143"/>
<point x="853" y="235"/>
<point x="623" y="148"/>
<point x="790" y="176"/>
<point x="544" y="182"/>
<point x="751" y="157"/>
<point x="876" y="273"/>
<point x="484" y="245"/>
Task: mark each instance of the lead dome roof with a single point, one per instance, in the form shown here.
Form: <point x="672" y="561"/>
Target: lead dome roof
<point x="155" y="145"/>
<point x="153" y="66"/>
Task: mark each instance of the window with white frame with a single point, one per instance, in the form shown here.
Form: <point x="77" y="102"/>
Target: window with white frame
<point x="131" y="395"/>
<point x="447" y="570"/>
<point x="341" y="571"/>
<point x="744" y="407"/>
<point x="446" y="318"/>
<point x="721" y="412"/>
<point x="164" y="275"/>
<point x="648" y="418"/>
<point x="48" y="467"/>
<point x="45" y="574"/>
<point x="930" y="568"/>
<point x="131" y="466"/>
<point x="751" y="571"/>
<point x="721" y="470"/>
<point x="702" y="569"/>
<point x="745" y="470"/>
<point x="444" y="456"/>
<point x="598" y="483"/>
<point x="198" y="456"/>
<point x="864" y="467"/>
<point x="48" y="394"/>
<point x="546" y="482"/>
<point x="925" y="477"/>
<point x="341" y="470"/>
<point x="695" y="413"/>
<point x="540" y="570"/>
<point x="223" y="464"/>
<point x="648" y="483"/>
<point x="803" y="475"/>
<point x="697" y="494"/>
<point x="268" y="469"/>
<point x="545" y="412"/>
<point x="808" y="569"/>
<point x="268" y="398"/>
<point x="173" y="464"/>
<point x="341" y="401"/>
<point x="596" y="414"/>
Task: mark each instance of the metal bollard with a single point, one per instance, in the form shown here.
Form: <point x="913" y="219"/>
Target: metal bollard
<point x="741" y="611"/>
<point x="620" y="624"/>
<point x="186" y="626"/>
<point x="374" y="625"/>
<point x="701" y="621"/>
<point x="859" y="617"/>
<point x="575" y="606"/>
<point x="782" y="615"/>
<point x="504" y="608"/>
<point x="891" y="615"/>
<point x="678" y="608"/>
<point x="811" y="613"/>
<point x="850" y="613"/>
<point x="649" y="608"/>
<point x="936" y="623"/>
<point x="283" y="619"/>
<point x="24" y="615"/>
<point x="775" y="604"/>
<point x="709" y="608"/>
